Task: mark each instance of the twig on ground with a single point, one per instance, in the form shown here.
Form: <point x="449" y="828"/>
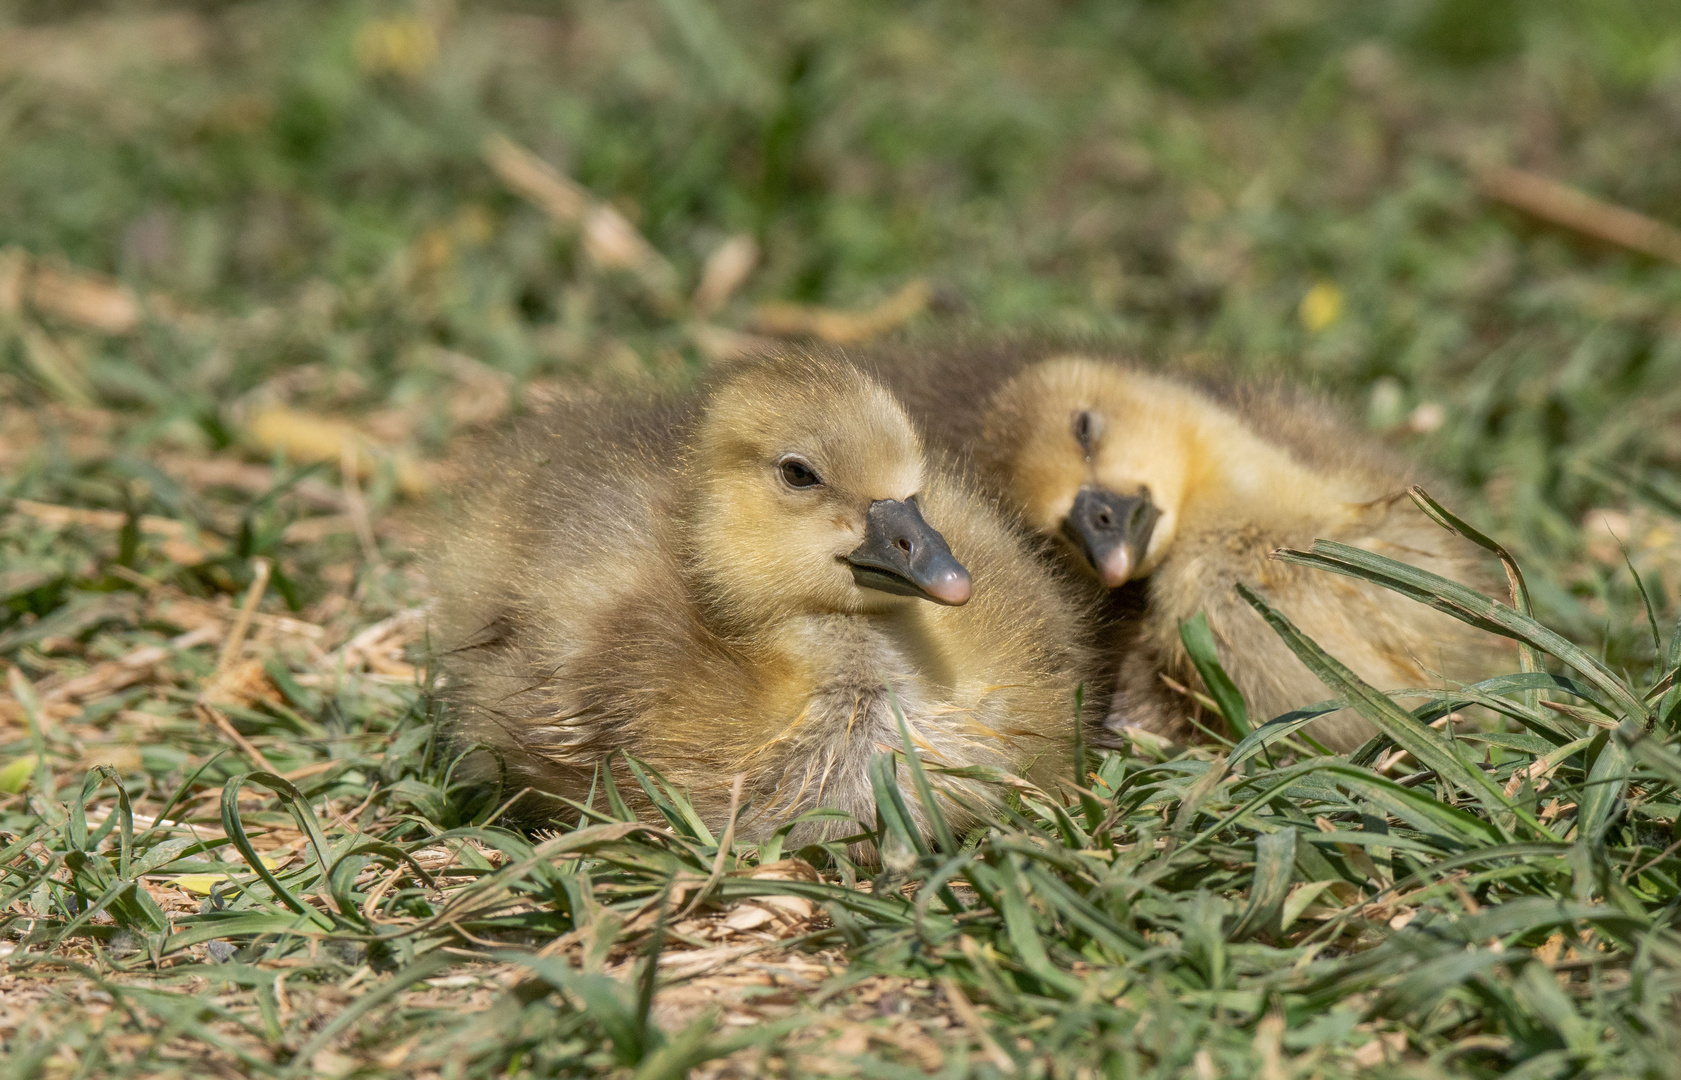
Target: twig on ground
<point x="261" y="568"/>
<point x="1567" y="207"/>
<point x="225" y="726"/>
<point x="357" y="506"/>
<point x="125" y="671"/>
<point x="610" y="240"/>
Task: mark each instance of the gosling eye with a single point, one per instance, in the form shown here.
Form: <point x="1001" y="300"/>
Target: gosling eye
<point x="1088" y="425"/>
<point x="798" y="474"/>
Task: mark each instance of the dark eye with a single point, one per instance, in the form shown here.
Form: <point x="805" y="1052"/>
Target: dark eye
<point x="1087" y="427"/>
<point x="797" y="474"/>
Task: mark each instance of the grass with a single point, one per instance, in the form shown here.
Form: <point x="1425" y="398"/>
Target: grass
<point x="258" y="271"/>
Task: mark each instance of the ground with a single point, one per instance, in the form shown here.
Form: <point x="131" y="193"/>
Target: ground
<point x="263" y="267"/>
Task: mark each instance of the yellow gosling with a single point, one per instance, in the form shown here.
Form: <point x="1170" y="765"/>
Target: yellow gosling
<point x="743" y="582"/>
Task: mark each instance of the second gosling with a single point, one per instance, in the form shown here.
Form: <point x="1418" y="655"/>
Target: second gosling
<point x="747" y="582"/>
<point x="1144" y="476"/>
<point x="1167" y="492"/>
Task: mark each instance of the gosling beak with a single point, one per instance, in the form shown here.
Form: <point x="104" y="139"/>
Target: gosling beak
<point x="903" y="554"/>
<point x="1112" y="531"/>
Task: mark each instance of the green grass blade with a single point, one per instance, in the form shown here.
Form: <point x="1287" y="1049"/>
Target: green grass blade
<point x="672" y="807"/>
<point x="235" y="829"/>
<point x="895" y="816"/>
<point x="1275" y="868"/>
<point x="1486" y="693"/>
<point x="1606" y="784"/>
<point x="1282" y="727"/>
<point x="1669" y="709"/>
<point x="615" y="801"/>
<point x="1199" y="644"/>
<point x="424" y="968"/>
<point x="606" y="1000"/>
<point x="1529" y="658"/>
<point x="1651" y="751"/>
<point x="1465" y="604"/>
<point x="1435" y="753"/>
<point x="1023" y="935"/>
<point x="937" y="823"/>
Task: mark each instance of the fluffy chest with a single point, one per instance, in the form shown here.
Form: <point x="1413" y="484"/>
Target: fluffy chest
<point x="846" y="682"/>
<point x="850" y="673"/>
<point x="843" y="653"/>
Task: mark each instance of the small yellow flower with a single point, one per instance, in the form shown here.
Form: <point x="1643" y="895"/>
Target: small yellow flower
<point x="1320" y="307"/>
<point x="403" y="46"/>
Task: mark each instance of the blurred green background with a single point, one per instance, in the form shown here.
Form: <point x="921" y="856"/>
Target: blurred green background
<point x="298" y="192"/>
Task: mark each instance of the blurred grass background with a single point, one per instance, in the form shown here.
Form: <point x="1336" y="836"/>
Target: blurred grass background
<point x="236" y="239"/>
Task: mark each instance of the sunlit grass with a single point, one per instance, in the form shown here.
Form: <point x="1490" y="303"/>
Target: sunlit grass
<point x="258" y="272"/>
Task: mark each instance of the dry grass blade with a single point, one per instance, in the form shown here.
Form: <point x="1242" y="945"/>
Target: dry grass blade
<point x="725" y="271"/>
<point x="609" y="237"/>
<point x="180" y="542"/>
<point x="1565" y="206"/>
<point x="84" y="300"/>
<point x="529" y="175"/>
<point x="55" y="365"/>
<point x="307" y="438"/>
<point x="972" y="1020"/>
<point x="844" y="327"/>
<point x="261" y="568"/>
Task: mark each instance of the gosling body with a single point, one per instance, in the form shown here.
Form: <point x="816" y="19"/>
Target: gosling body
<point x="1169" y="492"/>
<point x="748" y="582"/>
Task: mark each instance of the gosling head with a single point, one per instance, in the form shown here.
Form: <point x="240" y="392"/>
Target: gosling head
<point x="807" y="474"/>
<point x="1099" y="456"/>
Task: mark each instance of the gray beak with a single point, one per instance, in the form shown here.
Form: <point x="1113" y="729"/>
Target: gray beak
<point x="1112" y="531"/>
<point x="903" y="554"/>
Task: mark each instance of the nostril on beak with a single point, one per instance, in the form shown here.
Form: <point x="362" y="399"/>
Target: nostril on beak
<point x="1104" y="521"/>
<point x="903" y="545"/>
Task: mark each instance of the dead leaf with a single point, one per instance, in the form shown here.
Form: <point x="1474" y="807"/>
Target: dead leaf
<point x="406" y="46"/>
<point x="725" y="271"/>
<point x="750" y="915"/>
<point x="844" y="327"/>
<point x="306" y="437"/>
<point x="243" y="683"/>
<point x="719" y="343"/>
<point x="787" y="870"/>
<point x="84" y="299"/>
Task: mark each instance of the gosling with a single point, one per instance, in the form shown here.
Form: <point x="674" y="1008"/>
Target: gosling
<point x="750" y="582"/>
<point x="1149" y="484"/>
